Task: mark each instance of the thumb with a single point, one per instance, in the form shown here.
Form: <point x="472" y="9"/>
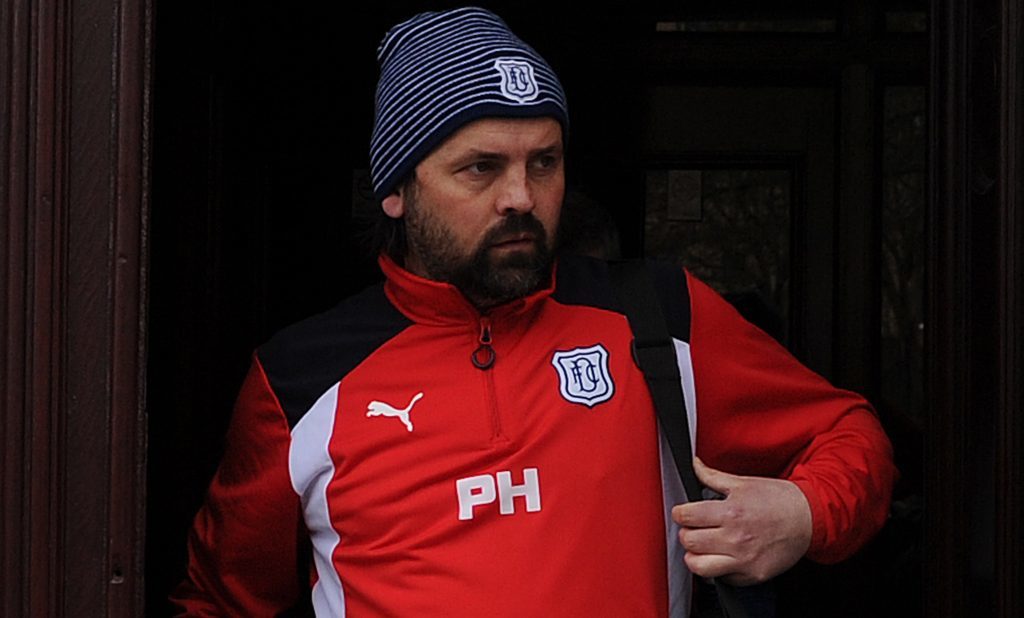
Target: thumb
<point x="716" y="480"/>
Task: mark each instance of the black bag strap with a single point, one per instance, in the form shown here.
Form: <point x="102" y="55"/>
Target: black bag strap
<point x="655" y="354"/>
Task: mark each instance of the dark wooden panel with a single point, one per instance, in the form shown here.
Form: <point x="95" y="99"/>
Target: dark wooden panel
<point x="87" y="446"/>
<point x="32" y="263"/>
<point x="948" y="318"/>
<point x="129" y="277"/>
<point x="103" y="476"/>
<point x="973" y="482"/>
<point x="1009" y="552"/>
<point x="73" y="83"/>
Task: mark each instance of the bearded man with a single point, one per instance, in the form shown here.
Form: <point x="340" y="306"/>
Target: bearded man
<point x="472" y="437"/>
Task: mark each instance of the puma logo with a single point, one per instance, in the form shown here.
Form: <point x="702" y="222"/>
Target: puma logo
<point x="379" y="408"/>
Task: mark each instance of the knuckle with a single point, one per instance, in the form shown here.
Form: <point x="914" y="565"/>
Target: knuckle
<point x="734" y="513"/>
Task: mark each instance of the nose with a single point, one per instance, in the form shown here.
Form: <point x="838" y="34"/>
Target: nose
<point x="515" y="193"/>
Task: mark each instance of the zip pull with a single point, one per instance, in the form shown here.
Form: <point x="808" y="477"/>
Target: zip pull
<point x="483" y="356"/>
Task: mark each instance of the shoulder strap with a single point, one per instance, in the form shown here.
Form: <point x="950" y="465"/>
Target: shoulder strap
<point x="655" y="354"/>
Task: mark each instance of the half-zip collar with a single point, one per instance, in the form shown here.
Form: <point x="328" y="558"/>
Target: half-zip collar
<point x="433" y="303"/>
<point x="484" y="355"/>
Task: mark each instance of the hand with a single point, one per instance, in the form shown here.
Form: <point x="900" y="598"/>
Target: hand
<point x="760" y="529"/>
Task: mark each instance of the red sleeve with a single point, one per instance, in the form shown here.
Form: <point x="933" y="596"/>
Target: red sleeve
<point x="760" y="412"/>
<point x="244" y="542"/>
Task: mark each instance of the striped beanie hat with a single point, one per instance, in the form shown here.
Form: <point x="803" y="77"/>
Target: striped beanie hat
<point x="441" y="70"/>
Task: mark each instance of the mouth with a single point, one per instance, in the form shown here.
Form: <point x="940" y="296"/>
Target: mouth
<point x="517" y="236"/>
<point x="515" y="242"/>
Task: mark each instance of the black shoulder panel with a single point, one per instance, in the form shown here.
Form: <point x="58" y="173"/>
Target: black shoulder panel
<point x="305" y="359"/>
<point x="585" y="281"/>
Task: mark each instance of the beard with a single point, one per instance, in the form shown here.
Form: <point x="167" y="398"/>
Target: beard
<point x="485" y="279"/>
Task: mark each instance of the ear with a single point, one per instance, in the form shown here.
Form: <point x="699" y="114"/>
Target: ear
<point x="394" y="205"/>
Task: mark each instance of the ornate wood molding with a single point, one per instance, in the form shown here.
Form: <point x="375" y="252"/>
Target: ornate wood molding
<point x="33" y="139"/>
<point x="74" y="83"/>
<point x="1009" y="551"/>
<point x="973" y="485"/>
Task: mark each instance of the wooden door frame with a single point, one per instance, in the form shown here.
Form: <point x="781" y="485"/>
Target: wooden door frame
<point x="973" y="443"/>
<point x="74" y="177"/>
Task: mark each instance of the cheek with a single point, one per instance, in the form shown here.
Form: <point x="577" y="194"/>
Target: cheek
<point x="548" y="208"/>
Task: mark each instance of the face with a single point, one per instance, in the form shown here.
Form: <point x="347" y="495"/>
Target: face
<point x="482" y="212"/>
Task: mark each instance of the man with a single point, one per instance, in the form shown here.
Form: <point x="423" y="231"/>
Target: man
<point x="472" y="437"/>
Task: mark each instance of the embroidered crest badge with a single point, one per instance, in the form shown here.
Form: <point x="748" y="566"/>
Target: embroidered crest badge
<point x="517" y="80"/>
<point x="583" y="375"/>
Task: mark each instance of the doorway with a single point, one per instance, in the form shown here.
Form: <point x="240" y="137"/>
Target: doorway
<point x="805" y="118"/>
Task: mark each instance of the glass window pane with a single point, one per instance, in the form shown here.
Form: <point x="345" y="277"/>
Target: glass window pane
<point x="731" y="227"/>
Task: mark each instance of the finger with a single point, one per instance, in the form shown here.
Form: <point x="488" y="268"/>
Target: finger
<point x="704" y="514"/>
<point x="702" y="540"/>
<point x="719" y="481"/>
<point x="710" y="565"/>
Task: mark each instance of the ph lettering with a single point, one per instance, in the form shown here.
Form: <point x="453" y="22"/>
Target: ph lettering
<point x="485" y="489"/>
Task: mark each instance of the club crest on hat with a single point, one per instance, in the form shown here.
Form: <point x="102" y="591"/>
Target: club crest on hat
<point x="517" y="80"/>
<point x="583" y="375"/>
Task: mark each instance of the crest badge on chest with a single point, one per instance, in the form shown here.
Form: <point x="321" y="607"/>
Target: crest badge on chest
<point x="583" y="375"/>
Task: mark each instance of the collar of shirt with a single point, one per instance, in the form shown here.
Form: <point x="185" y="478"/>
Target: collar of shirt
<point x="429" y="302"/>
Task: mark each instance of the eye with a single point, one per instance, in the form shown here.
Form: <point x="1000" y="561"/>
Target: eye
<point x="480" y="168"/>
<point x="546" y="162"/>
